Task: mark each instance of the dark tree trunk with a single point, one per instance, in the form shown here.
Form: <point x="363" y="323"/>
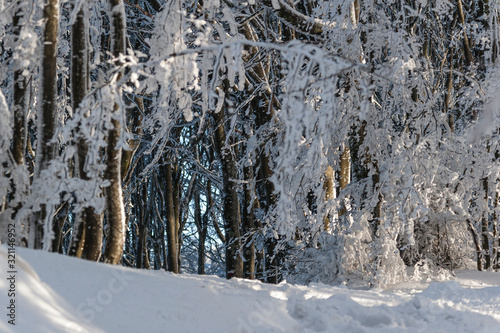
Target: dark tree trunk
<point x="60" y="219"/>
<point x="20" y="100"/>
<point x="485" y="229"/>
<point x="477" y="245"/>
<point x="248" y="224"/>
<point x="20" y="110"/>
<point x="231" y="214"/>
<point x="201" y="224"/>
<point x="176" y="178"/>
<point x="172" y="259"/>
<point x="46" y="148"/>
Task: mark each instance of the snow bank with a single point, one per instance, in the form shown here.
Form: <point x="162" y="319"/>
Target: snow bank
<point x="38" y="307"/>
<point x="71" y="295"/>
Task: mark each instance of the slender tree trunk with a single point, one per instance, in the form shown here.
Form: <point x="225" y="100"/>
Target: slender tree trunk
<point x="485" y="230"/>
<point x="146" y="263"/>
<point x="157" y="242"/>
<point x="377" y="210"/>
<point x="448" y="97"/>
<point x="92" y="222"/>
<point x="345" y="168"/>
<point x="231" y="214"/>
<point x="20" y="97"/>
<point x="114" y="196"/>
<point x="201" y="224"/>
<point x="469" y="59"/>
<point x="248" y="224"/>
<point x="46" y="147"/>
<point x="20" y="110"/>
<point x="345" y="173"/>
<point x="329" y="188"/>
<point x="206" y="216"/>
<point x="142" y="224"/>
<point x="173" y="263"/>
<point x="267" y="201"/>
<point x="477" y="245"/>
<point x="176" y="178"/>
<point x="496" y="236"/>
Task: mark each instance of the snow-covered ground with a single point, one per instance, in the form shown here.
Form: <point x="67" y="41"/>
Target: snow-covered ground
<point x="55" y="293"/>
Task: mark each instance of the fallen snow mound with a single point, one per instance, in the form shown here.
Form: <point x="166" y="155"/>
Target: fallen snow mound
<point x="57" y="293"/>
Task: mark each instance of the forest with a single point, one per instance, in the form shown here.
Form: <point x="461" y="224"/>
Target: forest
<point x="297" y="140"/>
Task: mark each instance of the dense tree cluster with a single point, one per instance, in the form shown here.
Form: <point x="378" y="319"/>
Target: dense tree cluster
<point x="300" y="140"/>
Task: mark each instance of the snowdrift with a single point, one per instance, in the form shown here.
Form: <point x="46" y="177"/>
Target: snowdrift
<point x="56" y="293"/>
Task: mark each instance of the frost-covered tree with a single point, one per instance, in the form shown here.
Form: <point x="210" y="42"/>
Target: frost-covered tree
<point x="308" y="141"/>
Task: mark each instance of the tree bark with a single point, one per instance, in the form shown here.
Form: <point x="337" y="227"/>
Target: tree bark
<point x="92" y="222"/>
<point x="248" y="224"/>
<point x="231" y="214"/>
<point x="114" y="196"/>
<point x="202" y="225"/>
<point x="176" y="178"/>
<point x="345" y="173"/>
<point x="477" y="245"/>
<point x="345" y="168"/>
<point x="143" y="217"/>
<point x="496" y="236"/>
<point x="20" y="113"/>
<point x="20" y="100"/>
<point x="485" y="230"/>
<point x="172" y="240"/>
<point x="329" y="188"/>
<point x="46" y="147"/>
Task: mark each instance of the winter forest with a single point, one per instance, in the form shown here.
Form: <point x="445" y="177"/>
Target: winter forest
<point x="306" y="141"/>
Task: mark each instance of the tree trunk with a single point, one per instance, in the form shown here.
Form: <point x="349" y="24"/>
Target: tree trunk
<point x="92" y="222"/>
<point x="477" y="245"/>
<point x="345" y="168"/>
<point x="329" y="188"/>
<point x="496" y="236"/>
<point x="20" y="113"/>
<point x="176" y="178"/>
<point x="377" y="210"/>
<point x="345" y="173"/>
<point x="201" y="224"/>
<point x="485" y="230"/>
<point x="141" y="251"/>
<point x="46" y="148"/>
<point x="248" y="224"/>
<point x="20" y="100"/>
<point x="231" y="214"/>
<point x="114" y="196"/>
<point x="172" y="259"/>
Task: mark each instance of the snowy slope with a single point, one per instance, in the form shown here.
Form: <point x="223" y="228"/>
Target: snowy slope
<point x="71" y="295"/>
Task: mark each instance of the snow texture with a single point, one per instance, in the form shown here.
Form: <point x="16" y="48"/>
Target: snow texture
<point x="62" y="294"/>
